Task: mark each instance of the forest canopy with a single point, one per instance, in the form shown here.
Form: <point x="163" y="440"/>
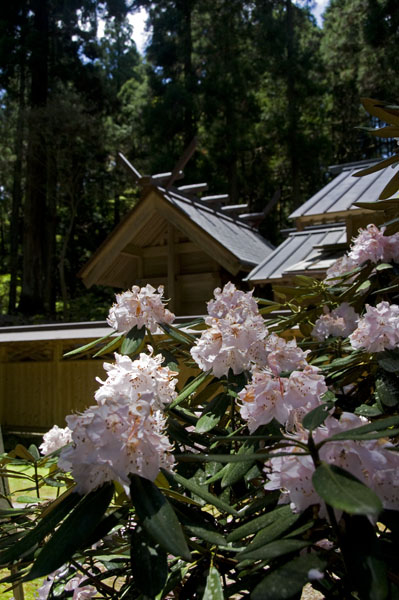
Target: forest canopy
<point x="272" y="97"/>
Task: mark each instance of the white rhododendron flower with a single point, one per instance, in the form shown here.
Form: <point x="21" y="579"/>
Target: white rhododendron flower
<point x="141" y="380"/>
<point x="54" y="439"/>
<point x="373" y="464"/>
<point x="140" y="307"/>
<point x="378" y="328"/>
<point x="284" y="356"/>
<point x="285" y="399"/>
<point x="340" y="267"/>
<point x="370" y="244"/>
<point x="124" y="433"/>
<point x="235" y="338"/>
<point x="339" y="322"/>
<point x="111" y="441"/>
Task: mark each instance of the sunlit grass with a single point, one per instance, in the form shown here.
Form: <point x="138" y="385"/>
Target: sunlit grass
<point x="20" y="490"/>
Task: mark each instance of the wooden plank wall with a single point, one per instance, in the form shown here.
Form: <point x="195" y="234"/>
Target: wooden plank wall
<point x="36" y="394"/>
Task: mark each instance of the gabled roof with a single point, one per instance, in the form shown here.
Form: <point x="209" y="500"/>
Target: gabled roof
<point x="236" y="236"/>
<point x="340" y="194"/>
<point x="308" y="252"/>
<point x="231" y="242"/>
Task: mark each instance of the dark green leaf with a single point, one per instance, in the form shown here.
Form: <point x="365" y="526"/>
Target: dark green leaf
<point x="387" y="390"/>
<point x="222" y="458"/>
<point x="170" y="360"/>
<point x="271" y="532"/>
<point x="158" y="517"/>
<point x="134" y="341"/>
<point x="365" y="410"/>
<point x="213" y="589"/>
<point x="275" y="549"/>
<point x="388" y="363"/>
<point x="177" y="334"/>
<point x="42" y="529"/>
<point x="287" y="580"/>
<point x="149" y="563"/>
<point x="189" y="389"/>
<point x="212" y="413"/>
<point x="316" y="417"/>
<point x="204" y="494"/>
<point x="365" y="431"/>
<point x="235" y="471"/>
<point x="72" y="533"/>
<point x="343" y="491"/>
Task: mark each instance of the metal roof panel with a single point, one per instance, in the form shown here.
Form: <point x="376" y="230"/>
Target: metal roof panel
<point x="301" y="251"/>
<point x="340" y="194"/>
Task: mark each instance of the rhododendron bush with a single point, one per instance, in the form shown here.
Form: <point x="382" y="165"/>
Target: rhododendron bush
<point x="245" y="454"/>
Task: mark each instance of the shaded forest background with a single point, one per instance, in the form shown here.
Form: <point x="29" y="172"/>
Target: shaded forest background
<point x="273" y="98"/>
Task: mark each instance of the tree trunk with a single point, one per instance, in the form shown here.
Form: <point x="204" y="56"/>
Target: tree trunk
<point x="35" y="248"/>
<point x="17" y="193"/>
<point x="292" y="106"/>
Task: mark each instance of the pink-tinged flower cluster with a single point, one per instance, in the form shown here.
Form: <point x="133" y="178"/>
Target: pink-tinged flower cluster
<point x="283" y="355"/>
<point x="144" y="380"/>
<point x="371" y="244"/>
<point x="54" y="439"/>
<point x="235" y="338"/>
<point x="341" y="266"/>
<point x="285" y="399"/>
<point x="139" y="307"/>
<point x="339" y="322"/>
<point x="378" y="328"/>
<point x="124" y="432"/>
<point x="373" y="464"/>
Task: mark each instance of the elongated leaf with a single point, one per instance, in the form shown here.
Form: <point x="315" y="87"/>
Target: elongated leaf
<point x="204" y="494"/>
<point x="380" y="109"/>
<point x="110" y="347"/>
<point x="207" y="534"/>
<point x="213" y="589"/>
<point x="189" y="389"/>
<point x="344" y="492"/>
<point x="391" y="187"/>
<point x="88" y="346"/>
<point x="390" y="364"/>
<point x="149" y="563"/>
<point x="316" y="417"/>
<point x="387" y="390"/>
<point x="288" y="579"/>
<point x="380" y="165"/>
<point x="235" y="471"/>
<point x="275" y="549"/>
<point x="226" y="458"/>
<point x="259" y="523"/>
<point x="177" y="334"/>
<point x="365" y="410"/>
<point x="42" y="529"/>
<point x="170" y="360"/>
<point x="158" y="517"/>
<point x="133" y="341"/>
<point x="270" y="533"/>
<point x="212" y="413"/>
<point x="72" y="533"/>
<point x="359" y="433"/>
